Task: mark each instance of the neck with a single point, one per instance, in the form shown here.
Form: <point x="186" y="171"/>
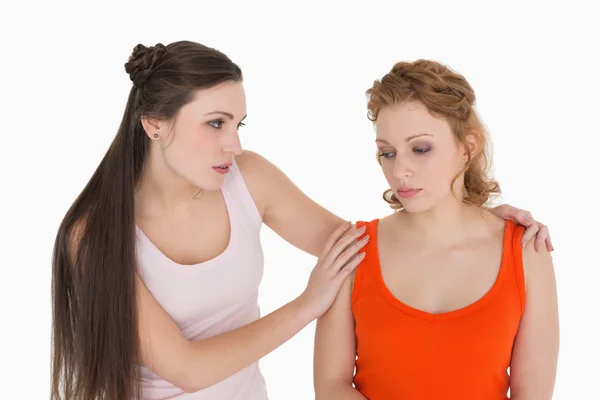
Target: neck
<point x="449" y="222"/>
<point x="162" y="190"/>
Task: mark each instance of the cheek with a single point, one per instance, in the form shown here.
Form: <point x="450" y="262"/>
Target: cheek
<point x="203" y="141"/>
<point x="199" y="142"/>
<point x="387" y="166"/>
<point x="189" y="147"/>
<point x="438" y="169"/>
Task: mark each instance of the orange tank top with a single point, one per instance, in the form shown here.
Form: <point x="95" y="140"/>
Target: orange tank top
<point x="405" y="353"/>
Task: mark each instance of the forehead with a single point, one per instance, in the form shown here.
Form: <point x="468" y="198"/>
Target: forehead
<point x="229" y="97"/>
<point x="407" y="119"/>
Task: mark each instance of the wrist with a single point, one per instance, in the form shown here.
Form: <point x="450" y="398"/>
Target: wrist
<point x="303" y="311"/>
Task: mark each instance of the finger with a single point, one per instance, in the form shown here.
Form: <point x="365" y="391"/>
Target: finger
<point x="516" y="215"/>
<point x="541" y="237"/>
<point x="549" y="244"/>
<point x="524" y="218"/>
<point x="351" y="244"/>
<point x="334" y="237"/>
<point x="349" y="253"/>
<point x="504" y="211"/>
<point x="343" y="243"/>
<point x="529" y="233"/>
<point x="351" y="265"/>
<point x="356" y="239"/>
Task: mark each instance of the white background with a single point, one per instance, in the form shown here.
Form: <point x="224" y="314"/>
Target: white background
<point x="533" y="66"/>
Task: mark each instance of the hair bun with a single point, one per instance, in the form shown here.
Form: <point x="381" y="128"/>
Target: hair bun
<point x="142" y="61"/>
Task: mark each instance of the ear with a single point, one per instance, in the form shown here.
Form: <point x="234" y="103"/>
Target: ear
<point x="472" y="146"/>
<point x="153" y="128"/>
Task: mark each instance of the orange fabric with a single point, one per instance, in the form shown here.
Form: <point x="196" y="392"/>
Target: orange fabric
<point x="405" y="353"/>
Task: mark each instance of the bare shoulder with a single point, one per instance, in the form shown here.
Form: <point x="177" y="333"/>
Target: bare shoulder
<point x="537" y="265"/>
<point x="495" y="224"/>
<point x="253" y="167"/>
<point x="250" y="161"/>
<point x="257" y="172"/>
<point x="392" y="227"/>
<point x="395" y="219"/>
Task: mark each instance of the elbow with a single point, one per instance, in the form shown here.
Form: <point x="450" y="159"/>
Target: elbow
<point x="191" y="387"/>
<point x="189" y="376"/>
<point x="191" y="384"/>
<point x="191" y="381"/>
<point x="194" y="378"/>
<point x="328" y="389"/>
<point x="184" y="381"/>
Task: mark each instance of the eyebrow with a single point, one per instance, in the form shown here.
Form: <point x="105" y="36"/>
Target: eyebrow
<point x="228" y="115"/>
<point x="408" y="139"/>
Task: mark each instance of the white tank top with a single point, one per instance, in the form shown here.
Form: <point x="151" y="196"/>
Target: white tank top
<point x="212" y="297"/>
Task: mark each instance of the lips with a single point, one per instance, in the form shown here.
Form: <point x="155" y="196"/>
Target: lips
<point x="223" y="168"/>
<point x="407" y="192"/>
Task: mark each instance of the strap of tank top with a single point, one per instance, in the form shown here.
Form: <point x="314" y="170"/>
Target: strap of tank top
<point x="517" y="260"/>
<point x="240" y="203"/>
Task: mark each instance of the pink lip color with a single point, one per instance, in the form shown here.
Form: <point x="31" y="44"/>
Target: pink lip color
<point x="221" y="170"/>
<point x="406" y="194"/>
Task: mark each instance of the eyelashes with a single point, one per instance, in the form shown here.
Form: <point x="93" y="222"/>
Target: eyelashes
<point x="392" y="154"/>
<point x="218" y="124"/>
<point x="421" y="150"/>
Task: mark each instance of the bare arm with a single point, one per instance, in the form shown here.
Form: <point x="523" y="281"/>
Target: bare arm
<point x="284" y="207"/>
<point x="195" y="365"/>
<point x="335" y="350"/>
<point x="535" y="353"/>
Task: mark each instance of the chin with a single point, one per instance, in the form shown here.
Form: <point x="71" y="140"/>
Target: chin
<point x="211" y="186"/>
<point x="207" y="183"/>
<point x="415" y="206"/>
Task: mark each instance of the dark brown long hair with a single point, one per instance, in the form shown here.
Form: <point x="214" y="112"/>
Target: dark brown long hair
<point x="95" y="342"/>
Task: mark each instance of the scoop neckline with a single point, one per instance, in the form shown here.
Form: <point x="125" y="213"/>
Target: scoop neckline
<point x="447" y="315"/>
<point x="204" y="264"/>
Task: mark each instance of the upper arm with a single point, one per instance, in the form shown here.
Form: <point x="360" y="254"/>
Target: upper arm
<point x="535" y="352"/>
<point x="284" y="207"/>
<point x="164" y="349"/>
<point x="335" y="341"/>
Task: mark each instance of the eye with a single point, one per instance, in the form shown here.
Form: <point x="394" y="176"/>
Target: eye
<point x="217" y="124"/>
<point x="421" y="150"/>
<point x="387" y="154"/>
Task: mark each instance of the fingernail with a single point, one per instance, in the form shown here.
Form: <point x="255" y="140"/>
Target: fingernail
<point x="362" y="255"/>
<point x="365" y="239"/>
<point x="362" y="229"/>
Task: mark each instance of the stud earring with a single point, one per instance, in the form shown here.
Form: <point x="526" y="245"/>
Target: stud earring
<point x="156" y="135"/>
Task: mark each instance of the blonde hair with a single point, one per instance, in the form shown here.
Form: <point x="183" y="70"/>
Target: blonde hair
<point x="446" y="95"/>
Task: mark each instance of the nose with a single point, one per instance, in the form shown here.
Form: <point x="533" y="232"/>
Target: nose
<point x="402" y="168"/>
<point x="234" y="144"/>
